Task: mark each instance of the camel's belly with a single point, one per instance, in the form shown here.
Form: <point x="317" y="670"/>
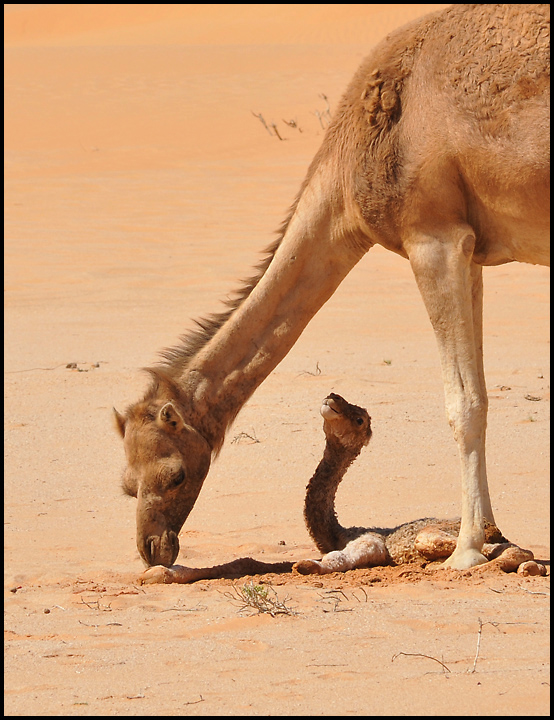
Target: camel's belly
<point x="513" y="240"/>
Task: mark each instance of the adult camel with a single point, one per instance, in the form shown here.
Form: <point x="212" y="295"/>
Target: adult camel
<point x="438" y="151"/>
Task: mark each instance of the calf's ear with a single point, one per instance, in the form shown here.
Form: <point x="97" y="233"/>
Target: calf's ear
<point x="119" y="421"/>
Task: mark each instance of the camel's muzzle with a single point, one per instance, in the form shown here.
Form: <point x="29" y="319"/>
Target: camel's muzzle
<point x="159" y="549"/>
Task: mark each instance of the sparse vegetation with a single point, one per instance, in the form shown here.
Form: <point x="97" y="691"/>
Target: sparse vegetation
<point x="262" y="598"/>
<point x="317" y="371"/>
<point x="324" y="117"/>
<point x="244" y="436"/>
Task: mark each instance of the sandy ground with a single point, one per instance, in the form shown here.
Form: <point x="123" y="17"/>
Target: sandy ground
<point x="139" y="188"/>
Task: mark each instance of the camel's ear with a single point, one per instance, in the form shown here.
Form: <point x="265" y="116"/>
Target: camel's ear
<point x="169" y="418"/>
<point x="119" y="422"/>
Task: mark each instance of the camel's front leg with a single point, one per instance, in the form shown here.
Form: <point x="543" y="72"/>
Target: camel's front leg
<point x="451" y="285"/>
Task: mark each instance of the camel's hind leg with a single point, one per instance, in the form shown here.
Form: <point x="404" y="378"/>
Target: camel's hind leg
<point x="365" y="551"/>
<point x="451" y="285"/>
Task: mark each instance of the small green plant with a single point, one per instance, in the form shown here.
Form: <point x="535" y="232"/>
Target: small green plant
<point x="262" y="598"/>
<point x="387" y="362"/>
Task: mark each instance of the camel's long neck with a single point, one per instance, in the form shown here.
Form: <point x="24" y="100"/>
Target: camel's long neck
<point x="319" y="507"/>
<point x="317" y="251"/>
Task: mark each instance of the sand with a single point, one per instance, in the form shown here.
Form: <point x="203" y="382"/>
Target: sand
<point x="139" y="187"/>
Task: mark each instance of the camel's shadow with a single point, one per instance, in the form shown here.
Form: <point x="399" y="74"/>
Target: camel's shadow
<point x="240" y="567"/>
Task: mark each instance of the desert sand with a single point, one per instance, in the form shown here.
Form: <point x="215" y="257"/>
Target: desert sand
<point x="140" y="188"/>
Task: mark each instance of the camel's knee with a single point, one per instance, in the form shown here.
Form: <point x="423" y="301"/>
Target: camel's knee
<point x="433" y="543"/>
<point x="467" y="417"/>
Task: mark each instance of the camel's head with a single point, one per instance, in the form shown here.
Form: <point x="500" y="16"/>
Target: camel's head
<point x="345" y="424"/>
<point x="167" y="462"/>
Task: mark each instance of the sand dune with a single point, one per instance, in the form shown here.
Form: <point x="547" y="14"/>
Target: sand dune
<point x="203" y="24"/>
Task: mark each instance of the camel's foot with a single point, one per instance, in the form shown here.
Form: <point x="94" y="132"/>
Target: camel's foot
<point x="506" y="556"/>
<point x="309" y="567"/>
<point x="156" y="574"/>
<point x="464" y="559"/>
<point x="531" y="567"/>
<point x="165" y="575"/>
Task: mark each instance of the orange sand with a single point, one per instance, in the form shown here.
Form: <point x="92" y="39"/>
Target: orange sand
<point x="139" y="188"/>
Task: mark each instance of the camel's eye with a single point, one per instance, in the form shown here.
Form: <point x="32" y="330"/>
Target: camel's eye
<point x="360" y="421"/>
<point x="128" y="485"/>
<point x="177" y="479"/>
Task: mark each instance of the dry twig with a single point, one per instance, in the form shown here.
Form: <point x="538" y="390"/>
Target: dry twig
<point x="293" y="124"/>
<point x="245" y="436"/>
<point x="309" y="372"/>
<point x="334" y="595"/>
<point x="479" y="633"/>
<point x="261" y="119"/>
<point x="319" y="116"/>
<point x="276" y="131"/>
<point x="421" y="655"/>
<point x="95" y="605"/>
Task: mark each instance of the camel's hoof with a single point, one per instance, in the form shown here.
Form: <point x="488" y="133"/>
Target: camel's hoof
<point x="307" y="567"/>
<point x="531" y="567"/>
<point x="512" y="557"/>
<point x="464" y="559"/>
<point x="156" y="574"/>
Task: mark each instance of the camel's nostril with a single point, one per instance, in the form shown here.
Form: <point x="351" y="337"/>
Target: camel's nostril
<point x="161" y="550"/>
<point x="147" y="550"/>
<point x="172" y="547"/>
